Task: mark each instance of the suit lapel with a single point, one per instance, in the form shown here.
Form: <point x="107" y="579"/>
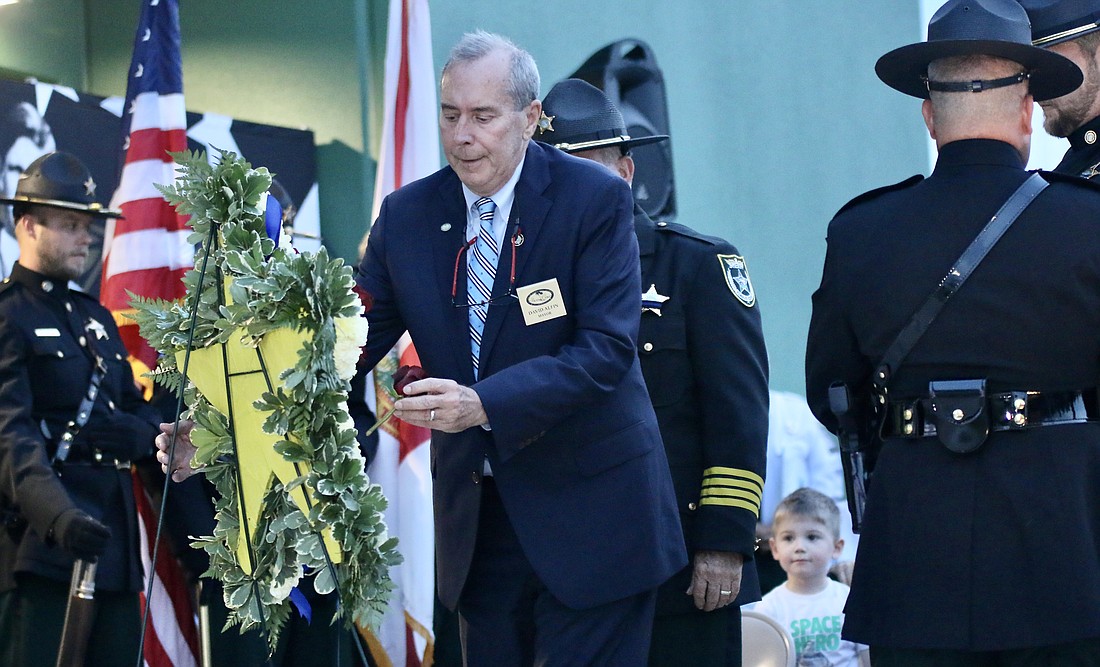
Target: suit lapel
<point x="529" y="211"/>
<point x="445" y="248"/>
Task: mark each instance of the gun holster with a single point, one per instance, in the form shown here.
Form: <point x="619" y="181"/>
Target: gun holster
<point x="960" y="411"/>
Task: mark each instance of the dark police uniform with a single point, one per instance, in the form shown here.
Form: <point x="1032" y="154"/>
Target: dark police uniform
<point x="48" y="336"/>
<point x="706" y="368"/>
<point x="1083" y="157"/>
<point x="1056" y="22"/>
<point x="954" y="553"/>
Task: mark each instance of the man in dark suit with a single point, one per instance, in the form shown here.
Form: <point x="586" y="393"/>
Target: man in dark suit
<point x="71" y="420"/>
<point x="706" y="368"/>
<point x="1071" y="28"/>
<point x="971" y="482"/>
<point x="515" y="271"/>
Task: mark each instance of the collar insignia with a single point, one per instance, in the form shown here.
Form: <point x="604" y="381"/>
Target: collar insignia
<point x="652" y="300"/>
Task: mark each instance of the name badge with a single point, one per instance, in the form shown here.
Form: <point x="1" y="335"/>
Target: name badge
<point x="541" y="301"/>
<point x="47" y="333"/>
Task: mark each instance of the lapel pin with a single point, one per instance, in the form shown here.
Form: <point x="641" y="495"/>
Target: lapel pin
<point x="445" y="227"/>
<point x="519" y="239"/>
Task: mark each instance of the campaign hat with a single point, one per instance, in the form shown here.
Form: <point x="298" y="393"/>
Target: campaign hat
<point x="1057" y="21"/>
<point x="577" y="116"/>
<point x="979" y="27"/>
<point x="60" y="180"/>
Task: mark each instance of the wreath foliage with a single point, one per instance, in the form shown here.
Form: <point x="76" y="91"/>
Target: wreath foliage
<point x="270" y="288"/>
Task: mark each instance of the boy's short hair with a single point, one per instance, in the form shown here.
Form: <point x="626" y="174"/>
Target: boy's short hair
<point x="809" y="504"/>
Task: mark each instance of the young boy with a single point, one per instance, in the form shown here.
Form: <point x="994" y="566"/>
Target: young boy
<point x="806" y="539"/>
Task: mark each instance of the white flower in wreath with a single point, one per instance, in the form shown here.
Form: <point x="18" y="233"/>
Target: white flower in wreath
<point x="280" y="590"/>
<point x="351" y="336"/>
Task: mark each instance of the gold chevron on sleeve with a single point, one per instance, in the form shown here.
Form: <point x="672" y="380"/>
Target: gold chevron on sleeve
<point x="732" y="487"/>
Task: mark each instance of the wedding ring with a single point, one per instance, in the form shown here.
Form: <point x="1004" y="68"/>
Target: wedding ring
<point x="431" y="416"/>
<point x="726" y="592"/>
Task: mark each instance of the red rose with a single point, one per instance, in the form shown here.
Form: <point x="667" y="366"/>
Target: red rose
<point x="406" y="374"/>
<point x="365" y="298"/>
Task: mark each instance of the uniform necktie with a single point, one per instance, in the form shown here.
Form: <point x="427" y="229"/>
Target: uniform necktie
<point x="482" y="274"/>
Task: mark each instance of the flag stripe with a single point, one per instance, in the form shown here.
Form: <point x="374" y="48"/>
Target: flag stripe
<point x="149" y="249"/>
<point x="148" y="110"/>
<point x="138" y="179"/>
<point x="401" y="101"/>
<point x="150" y="214"/>
<point x="154" y="144"/>
<point x="178" y="644"/>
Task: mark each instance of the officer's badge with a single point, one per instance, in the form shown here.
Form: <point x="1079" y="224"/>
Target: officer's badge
<point x="546" y="123"/>
<point x="652" y="301"/>
<point x="95" y="327"/>
<point x="737" y="278"/>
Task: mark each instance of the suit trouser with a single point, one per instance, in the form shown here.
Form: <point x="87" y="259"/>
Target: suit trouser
<point x="697" y="639"/>
<point x="33" y="614"/>
<point x="509" y="618"/>
<point x="1084" y="653"/>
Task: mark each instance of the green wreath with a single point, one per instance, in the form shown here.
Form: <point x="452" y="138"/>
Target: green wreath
<point x="251" y="290"/>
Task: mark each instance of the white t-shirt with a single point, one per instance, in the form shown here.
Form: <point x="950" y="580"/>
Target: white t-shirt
<point x="814" y="622"/>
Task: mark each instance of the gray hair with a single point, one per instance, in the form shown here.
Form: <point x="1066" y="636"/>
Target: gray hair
<point x="523" y="84"/>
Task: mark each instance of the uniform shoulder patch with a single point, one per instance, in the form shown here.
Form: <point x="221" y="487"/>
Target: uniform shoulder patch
<point x="684" y="230"/>
<point x="877" y="192"/>
<point x="1055" y="177"/>
<point x="736" y="273"/>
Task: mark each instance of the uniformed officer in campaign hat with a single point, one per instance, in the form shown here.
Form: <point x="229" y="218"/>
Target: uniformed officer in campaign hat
<point x="986" y="408"/>
<point x="703" y="358"/>
<point x="71" y="420"/>
<point x="1071" y="28"/>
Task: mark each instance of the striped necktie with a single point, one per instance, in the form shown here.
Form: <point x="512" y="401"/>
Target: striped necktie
<point x="482" y="273"/>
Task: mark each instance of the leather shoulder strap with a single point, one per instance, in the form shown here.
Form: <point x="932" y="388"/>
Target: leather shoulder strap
<point x="960" y="271"/>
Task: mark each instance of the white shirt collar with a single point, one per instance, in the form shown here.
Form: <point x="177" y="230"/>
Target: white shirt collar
<point x="503" y="198"/>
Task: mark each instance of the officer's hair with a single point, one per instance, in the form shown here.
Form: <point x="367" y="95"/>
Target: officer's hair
<point x="806" y="503"/>
<point x="1089" y="43"/>
<point x="608" y="156"/>
<point x="988" y="106"/>
<point x="523" y="84"/>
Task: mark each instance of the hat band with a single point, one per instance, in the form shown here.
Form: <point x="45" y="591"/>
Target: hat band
<point x="595" y="143"/>
<point x="1066" y="34"/>
<point x="976" y="86"/>
<point x="93" y="207"/>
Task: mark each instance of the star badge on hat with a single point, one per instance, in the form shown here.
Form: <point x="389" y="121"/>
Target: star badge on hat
<point x="89" y="187"/>
<point x="652" y="300"/>
<point x="546" y="123"/>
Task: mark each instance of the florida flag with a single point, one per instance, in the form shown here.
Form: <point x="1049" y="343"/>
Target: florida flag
<point x="409" y="150"/>
<point x="146" y="253"/>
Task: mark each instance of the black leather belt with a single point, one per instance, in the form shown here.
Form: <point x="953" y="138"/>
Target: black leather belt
<point x="96" y="458"/>
<point x="1008" y="411"/>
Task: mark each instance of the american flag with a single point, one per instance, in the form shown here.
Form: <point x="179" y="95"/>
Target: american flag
<point x="147" y="253"/>
<point x="409" y="150"/>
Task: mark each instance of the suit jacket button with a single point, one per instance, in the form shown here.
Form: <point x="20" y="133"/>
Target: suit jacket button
<point x="476" y="476"/>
